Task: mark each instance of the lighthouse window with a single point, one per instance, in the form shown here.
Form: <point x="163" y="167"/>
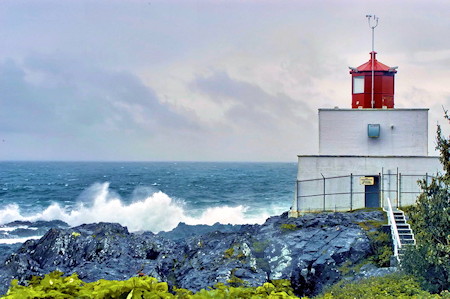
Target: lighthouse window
<point x="358" y="84"/>
<point x="373" y="130"/>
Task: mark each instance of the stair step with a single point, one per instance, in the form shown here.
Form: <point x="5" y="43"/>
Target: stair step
<point x="404" y="231"/>
<point x="403" y="226"/>
<point x="412" y="242"/>
<point x="406" y="237"/>
<point x="405" y="234"/>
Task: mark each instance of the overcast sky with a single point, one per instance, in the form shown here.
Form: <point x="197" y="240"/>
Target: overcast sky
<point x="202" y="80"/>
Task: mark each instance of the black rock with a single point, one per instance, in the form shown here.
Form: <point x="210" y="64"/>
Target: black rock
<point x="183" y="231"/>
<point x="308" y="251"/>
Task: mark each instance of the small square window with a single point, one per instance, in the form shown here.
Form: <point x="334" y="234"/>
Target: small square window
<point x="373" y="130"/>
<point x="358" y="84"/>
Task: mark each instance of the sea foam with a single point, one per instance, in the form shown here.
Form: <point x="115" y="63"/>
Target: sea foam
<point x="154" y="212"/>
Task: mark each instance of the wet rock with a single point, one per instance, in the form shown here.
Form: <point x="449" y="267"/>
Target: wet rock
<point x="183" y="231"/>
<point x="308" y="251"/>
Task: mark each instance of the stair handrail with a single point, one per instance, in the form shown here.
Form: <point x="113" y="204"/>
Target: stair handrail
<point x="394" y="229"/>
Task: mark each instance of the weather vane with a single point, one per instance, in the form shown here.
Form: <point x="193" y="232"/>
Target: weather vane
<point x="372" y="24"/>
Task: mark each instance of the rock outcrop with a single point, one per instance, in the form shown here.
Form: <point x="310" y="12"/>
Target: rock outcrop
<point x="308" y="251"/>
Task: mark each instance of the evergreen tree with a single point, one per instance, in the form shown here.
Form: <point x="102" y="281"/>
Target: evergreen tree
<point x="429" y="261"/>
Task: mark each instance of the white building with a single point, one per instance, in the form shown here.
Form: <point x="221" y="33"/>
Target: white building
<point x="368" y="153"/>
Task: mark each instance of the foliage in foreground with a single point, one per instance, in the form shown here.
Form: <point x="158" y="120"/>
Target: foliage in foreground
<point x="54" y="285"/>
<point x="430" y="220"/>
<point x="389" y="286"/>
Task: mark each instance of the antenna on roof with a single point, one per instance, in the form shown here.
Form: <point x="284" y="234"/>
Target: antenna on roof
<point x="372" y="25"/>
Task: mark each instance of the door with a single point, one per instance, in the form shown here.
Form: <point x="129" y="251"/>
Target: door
<point x="372" y="194"/>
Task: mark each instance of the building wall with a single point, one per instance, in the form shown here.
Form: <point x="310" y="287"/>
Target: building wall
<point x="403" y="132"/>
<point x="332" y="182"/>
<point x="314" y="166"/>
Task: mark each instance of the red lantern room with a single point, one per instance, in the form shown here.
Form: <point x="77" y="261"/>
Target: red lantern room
<point x="377" y="93"/>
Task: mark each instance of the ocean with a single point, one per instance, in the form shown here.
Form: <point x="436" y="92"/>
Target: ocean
<point x="144" y="196"/>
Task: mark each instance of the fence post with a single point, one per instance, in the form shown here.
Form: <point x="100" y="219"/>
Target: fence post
<point x="381" y="192"/>
<point x="351" y="191"/>
<point x="323" y="192"/>
<point x="400" y="190"/>
<point x="398" y="197"/>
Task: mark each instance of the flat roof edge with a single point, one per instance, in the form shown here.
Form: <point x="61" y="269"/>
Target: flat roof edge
<point x="362" y="156"/>
<point x="370" y="109"/>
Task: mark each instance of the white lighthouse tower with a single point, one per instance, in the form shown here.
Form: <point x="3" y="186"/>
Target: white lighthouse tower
<point x="367" y="153"/>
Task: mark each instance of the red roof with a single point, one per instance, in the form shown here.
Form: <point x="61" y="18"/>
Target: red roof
<point x="377" y="66"/>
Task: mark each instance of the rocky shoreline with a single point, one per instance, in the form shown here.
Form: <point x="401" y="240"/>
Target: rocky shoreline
<point x="310" y="251"/>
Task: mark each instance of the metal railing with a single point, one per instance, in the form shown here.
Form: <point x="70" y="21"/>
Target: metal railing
<point x="394" y="230"/>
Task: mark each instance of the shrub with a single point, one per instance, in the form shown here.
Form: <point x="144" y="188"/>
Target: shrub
<point x="430" y="220"/>
<point x="389" y="286"/>
<point x="54" y="285"/>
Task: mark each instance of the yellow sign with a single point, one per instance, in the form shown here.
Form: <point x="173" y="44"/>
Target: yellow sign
<point x="366" y="180"/>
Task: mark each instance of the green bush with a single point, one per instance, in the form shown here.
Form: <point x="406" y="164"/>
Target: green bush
<point x="277" y="289"/>
<point x="382" y="248"/>
<point x="389" y="286"/>
<point x="430" y="221"/>
<point x="54" y="285"/>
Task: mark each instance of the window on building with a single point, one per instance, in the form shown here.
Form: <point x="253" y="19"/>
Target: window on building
<point x="373" y="130"/>
<point x="358" y="84"/>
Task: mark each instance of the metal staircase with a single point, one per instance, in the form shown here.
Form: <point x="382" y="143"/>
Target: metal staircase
<point x="402" y="234"/>
<point x="406" y="235"/>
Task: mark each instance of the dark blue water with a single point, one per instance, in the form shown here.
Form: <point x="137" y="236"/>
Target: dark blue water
<point x="145" y="195"/>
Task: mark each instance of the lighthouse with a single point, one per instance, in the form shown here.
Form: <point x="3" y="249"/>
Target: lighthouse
<point x="368" y="152"/>
<point x="383" y="84"/>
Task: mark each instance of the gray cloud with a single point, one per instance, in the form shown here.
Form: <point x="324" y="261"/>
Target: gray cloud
<point x="71" y="95"/>
<point x="264" y="125"/>
<point x="250" y="104"/>
<point x="59" y="105"/>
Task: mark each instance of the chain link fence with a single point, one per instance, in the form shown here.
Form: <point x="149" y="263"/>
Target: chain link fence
<point x="350" y="192"/>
